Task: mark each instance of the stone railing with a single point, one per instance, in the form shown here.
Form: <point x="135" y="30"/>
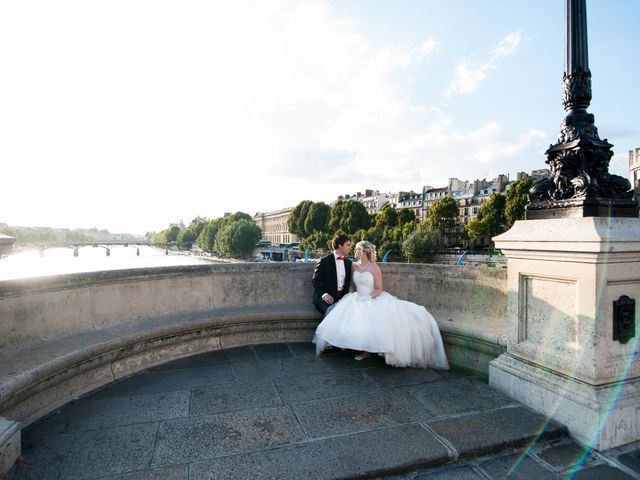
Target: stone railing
<point x="63" y="336"/>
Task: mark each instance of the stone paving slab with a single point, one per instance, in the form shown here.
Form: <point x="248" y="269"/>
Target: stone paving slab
<point x="257" y="371"/>
<point x="351" y="456"/>
<point x="631" y="460"/>
<point x="462" y="472"/>
<point x="235" y="396"/>
<point x="517" y="466"/>
<point x="311" y="387"/>
<point x="387" y="377"/>
<point x="602" y="472"/>
<point x="240" y="354"/>
<point x="90" y="454"/>
<point x="341" y="360"/>
<point x="89" y="414"/>
<point x="460" y="395"/>
<point x="337" y="416"/>
<point x="175" y="472"/>
<point x="564" y="454"/>
<point x="153" y="381"/>
<point x="486" y="432"/>
<point x="273" y="351"/>
<point x="303" y="349"/>
<point x="195" y="361"/>
<point x="198" y="438"/>
<point x="304" y="366"/>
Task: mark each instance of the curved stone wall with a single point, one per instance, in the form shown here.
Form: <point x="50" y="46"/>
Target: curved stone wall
<point x="35" y="310"/>
<point x="63" y="336"/>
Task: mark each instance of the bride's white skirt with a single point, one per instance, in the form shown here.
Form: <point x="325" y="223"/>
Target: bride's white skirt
<point x="405" y="333"/>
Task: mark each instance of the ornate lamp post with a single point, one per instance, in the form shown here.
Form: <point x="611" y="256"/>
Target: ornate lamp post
<point x="580" y="184"/>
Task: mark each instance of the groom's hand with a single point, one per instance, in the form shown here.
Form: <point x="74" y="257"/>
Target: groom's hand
<point x="328" y="299"/>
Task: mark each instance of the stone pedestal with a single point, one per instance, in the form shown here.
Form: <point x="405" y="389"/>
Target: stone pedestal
<point x="563" y="278"/>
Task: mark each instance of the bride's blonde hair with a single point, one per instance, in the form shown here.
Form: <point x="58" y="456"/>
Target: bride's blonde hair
<point x="369" y="249"/>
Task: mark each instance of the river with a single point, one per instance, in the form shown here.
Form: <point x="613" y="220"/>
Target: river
<point x="56" y="261"/>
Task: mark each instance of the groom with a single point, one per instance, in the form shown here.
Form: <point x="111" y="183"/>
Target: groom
<point x="332" y="275"/>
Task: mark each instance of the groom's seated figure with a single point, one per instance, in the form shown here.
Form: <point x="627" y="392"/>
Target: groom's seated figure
<point x="332" y="275"/>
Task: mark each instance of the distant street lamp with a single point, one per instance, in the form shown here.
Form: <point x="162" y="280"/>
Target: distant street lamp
<point x="580" y="184"/>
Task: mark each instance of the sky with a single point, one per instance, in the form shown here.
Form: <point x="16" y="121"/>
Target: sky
<point x="130" y="115"/>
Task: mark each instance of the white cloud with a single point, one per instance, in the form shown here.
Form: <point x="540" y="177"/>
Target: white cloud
<point x="470" y="71"/>
<point x="429" y="46"/>
<point x="241" y="105"/>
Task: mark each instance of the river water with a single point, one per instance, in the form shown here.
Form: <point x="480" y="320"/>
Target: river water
<point x="55" y="261"/>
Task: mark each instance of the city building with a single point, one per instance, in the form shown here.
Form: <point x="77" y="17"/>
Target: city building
<point x="634" y="168"/>
<point x="274" y="226"/>
<point x="409" y="200"/>
<point x="374" y="201"/>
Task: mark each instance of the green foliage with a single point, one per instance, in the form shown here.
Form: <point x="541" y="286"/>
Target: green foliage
<point x="186" y="238"/>
<point x="206" y="239"/>
<point x="516" y="200"/>
<point x="477" y="228"/>
<point x="237" y="216"/>
<point x="297" y="218"/>
<point x="349" y="217"/>
<point x="317" y="219"/>
<point x="443" y="214"/>
<point x="491" y="219"/>
<point x="77" y="236"/>
<point x="237" y="238"/>
<point x="422" y="242"/>
<point x="405" y="215"/>
<point x="198" y="227"/>
<point x="359" y="236"/>
<point x="388" y="217"/>
<point x="492" y="211"/>
<point x="171" y="233"/>
<point x="29" y="234"/>
<point x="316" y="241"/>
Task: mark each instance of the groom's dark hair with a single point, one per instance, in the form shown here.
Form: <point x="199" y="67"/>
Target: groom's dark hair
<point x="339" y="240"/>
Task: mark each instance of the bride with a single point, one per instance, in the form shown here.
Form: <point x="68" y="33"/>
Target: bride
<point x="374" y="321"/>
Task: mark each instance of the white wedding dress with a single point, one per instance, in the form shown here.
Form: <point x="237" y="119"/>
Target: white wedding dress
<point x="403" y="332"/>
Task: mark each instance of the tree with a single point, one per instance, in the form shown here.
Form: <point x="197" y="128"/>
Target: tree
<point x="238" y="216"/>
<point x="197" y="228"/>
<point x="477" y="228"/>
<point x="388" y="217"/>
<point x="517" y="197"/>
<point x="297" y="218"/>
<point x="317" y="219"/>
<point x="422" y="242"/>
<point x="206" y="239"/>
<point x="405" y="215"/>
<point x="349" y="217"/>
<point x="443" y="214"/>
<point x="316" y="241"/>
<point x="186" y="238"/>
<point x="492" y="211"/>
<point x="171" y="233"/>
<point x="490" y="220"/>
<point x="238" y="238"/>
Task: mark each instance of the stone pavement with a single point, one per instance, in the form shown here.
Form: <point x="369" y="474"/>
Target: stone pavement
<point x="278" y="411"/>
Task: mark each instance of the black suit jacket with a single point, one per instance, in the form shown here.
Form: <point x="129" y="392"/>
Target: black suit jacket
<point x="325" y="280"/>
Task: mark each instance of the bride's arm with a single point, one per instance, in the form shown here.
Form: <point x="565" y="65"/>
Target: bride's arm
<point x="377" y="282"/>
<point x="352" y="286"/>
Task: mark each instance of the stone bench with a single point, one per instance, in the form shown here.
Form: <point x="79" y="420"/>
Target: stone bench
<point x="64" y="336"/>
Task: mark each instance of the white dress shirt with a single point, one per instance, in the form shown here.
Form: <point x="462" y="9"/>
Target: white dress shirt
<point x="340" y="271"/>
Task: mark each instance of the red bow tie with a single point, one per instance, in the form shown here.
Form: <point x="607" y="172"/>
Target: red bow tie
<point x="340" y="258"/>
